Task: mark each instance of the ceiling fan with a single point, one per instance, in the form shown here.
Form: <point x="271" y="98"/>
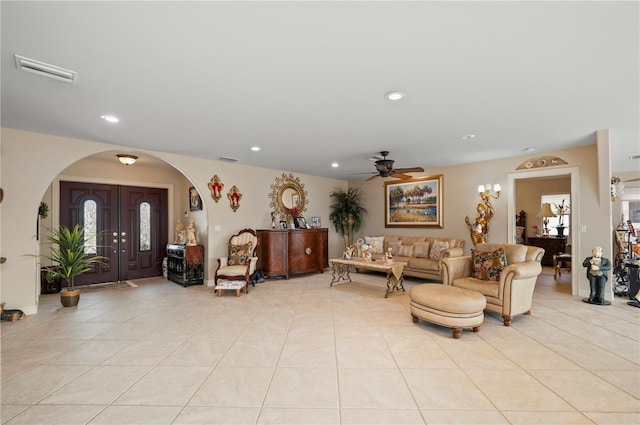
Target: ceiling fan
<point x="384" y="168"/>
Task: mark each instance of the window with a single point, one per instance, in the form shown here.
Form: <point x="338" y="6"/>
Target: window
<point x="90" y="219"/>
<point x="145" y="226"/>
<point x="561" y="206"/>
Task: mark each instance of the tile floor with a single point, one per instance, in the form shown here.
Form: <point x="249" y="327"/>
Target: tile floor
<point x="299" y="352"/>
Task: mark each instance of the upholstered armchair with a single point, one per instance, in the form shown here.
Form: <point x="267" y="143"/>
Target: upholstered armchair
<point x="505" y="274"/>
<point x="240" y="262"/>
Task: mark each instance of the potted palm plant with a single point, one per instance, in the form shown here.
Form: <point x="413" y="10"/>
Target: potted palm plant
<point x="70" y="260"/>
<point x="346" y="212"/>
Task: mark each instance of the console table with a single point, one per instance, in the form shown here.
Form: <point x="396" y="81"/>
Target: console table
<point x="283" y="252"/>
<point x="552" y="246"/>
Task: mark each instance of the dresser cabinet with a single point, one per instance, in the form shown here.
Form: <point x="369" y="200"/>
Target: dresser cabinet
<point x="185" y="264"/>
<point x="552" y="246"/>
<point x="284" y="252"/>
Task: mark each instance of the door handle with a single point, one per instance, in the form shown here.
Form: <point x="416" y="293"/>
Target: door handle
<point x="124" y="240"/>
<point x="115" y="234"/>
<point x="115" y="241"/>
<point x="124" y="233"/>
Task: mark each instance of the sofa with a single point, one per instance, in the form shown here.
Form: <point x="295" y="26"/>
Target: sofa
<point x="505" y="274"/>
<point x="422" y="254"/>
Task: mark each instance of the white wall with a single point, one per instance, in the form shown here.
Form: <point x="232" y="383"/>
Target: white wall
<point x="32" y="161"/>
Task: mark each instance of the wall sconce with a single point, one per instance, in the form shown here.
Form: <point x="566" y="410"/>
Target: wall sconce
<point x="479" y="229"/>
<point x="127" y="159"/>
<point x="545" y="212"/>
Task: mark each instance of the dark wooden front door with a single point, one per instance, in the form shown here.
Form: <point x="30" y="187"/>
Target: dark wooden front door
<point x="131" y="224"/>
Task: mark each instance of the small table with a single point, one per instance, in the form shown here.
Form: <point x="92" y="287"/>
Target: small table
<point x="236" y="285"/>
<point x="341" y="268"/>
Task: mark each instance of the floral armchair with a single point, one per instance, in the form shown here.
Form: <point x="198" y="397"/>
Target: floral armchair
<point x="240" y="262"/>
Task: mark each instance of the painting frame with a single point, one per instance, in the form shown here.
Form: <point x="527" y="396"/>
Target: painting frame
<point x="418" y="211"/>
<point x="195" y="201"/>
<point x="315" y="222"/>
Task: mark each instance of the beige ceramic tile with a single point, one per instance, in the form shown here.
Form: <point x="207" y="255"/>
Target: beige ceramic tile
<point x="373" y="388"/>
<point x="296" y="416"/>
<point x="136" y="415"/>
<point x="381" y="417"/>
<point x="36" y="383"/>
<point x="233" y="387"/>
<point x="537" y="418"/>
<point x="303" y="388"/>
<point x="444" y="389"/>
<point x="56" y="415"/>
<point x="100" y="385"/>
<point x="165" y="386"/>
<point x="217" y="416"/>
<point x="601" y="418"/>
<point x="468" y="417"/>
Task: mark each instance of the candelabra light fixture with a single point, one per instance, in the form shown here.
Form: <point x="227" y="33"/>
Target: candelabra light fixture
<point x="545" y="213"/>
<point x="479" y="228"/>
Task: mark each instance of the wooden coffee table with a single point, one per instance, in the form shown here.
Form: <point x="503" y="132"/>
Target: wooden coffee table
<point x="341" y="269"/>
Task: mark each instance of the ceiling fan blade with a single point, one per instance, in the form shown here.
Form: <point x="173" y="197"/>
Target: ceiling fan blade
<point x="408" y="170"/>
<point x="400" y="176"/>
<point x="632" y="180"/>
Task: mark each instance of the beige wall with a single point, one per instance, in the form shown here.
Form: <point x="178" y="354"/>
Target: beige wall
<point x="461" y="197"/>
<point x="30" y="162"/>
<point x="528" y="193"/>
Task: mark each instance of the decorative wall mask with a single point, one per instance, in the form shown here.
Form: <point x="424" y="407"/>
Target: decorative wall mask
<point x="288" y="197"/>
<point x="234" y="197"/>
<point x="216" y="186"/>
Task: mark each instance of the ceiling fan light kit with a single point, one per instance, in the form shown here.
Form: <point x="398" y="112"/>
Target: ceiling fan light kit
<point x="384" y="168"/>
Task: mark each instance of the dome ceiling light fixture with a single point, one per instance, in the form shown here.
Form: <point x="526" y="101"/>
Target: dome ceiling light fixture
<point x="394" y="96"/>
<point x="127" y="159"/>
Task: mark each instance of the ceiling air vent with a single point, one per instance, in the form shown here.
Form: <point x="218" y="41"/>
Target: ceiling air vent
<point x="46" y="70"/>
<point x="227" y="159"/>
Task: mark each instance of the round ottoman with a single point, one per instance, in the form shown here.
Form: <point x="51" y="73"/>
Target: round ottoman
<point x="446" y="305"/>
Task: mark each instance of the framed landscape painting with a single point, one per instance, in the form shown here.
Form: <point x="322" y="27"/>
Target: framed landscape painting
<point x="414" y="203"/>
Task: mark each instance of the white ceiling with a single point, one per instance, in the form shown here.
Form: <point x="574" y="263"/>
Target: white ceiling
<point x="305" y="81"/>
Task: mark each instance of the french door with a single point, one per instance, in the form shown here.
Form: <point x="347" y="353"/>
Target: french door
<point x="126" y="224"/>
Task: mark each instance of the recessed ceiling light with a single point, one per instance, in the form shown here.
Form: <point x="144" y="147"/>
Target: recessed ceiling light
<point x="255" y="148"/>
<point x="127" y="159"/>
<point x="468" y="136"/>
<point x="395" y="95"/>
<point x="334" y="164"/>
<point x="528" y="149"/>
<point x="110" y="118"/>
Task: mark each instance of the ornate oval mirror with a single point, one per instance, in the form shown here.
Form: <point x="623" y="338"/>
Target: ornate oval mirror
<point x="288" y="197"/>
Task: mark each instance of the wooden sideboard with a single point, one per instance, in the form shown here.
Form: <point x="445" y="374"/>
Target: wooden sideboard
<point x="552" y="246"/>
<point x="284" y="252"/>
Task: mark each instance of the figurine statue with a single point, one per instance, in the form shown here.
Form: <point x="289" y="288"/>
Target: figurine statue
<point x="179" y="234"/>
<point x="273" y="219"/>
<point x="191" y="234"/>
<point x="597" y="273"/>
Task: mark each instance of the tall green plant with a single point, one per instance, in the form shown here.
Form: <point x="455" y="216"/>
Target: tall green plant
<point x="68" y="254"/>
<point x="346" y="212"/>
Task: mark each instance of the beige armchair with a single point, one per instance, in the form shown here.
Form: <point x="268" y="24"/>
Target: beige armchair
<point x="512" y="291"/>
<point x="240" y="262"/>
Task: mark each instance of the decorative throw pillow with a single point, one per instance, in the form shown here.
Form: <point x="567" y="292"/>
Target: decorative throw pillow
<point x="375" y="243"/>
<point x="405" y="250"/>
<point x="488" y="265"/>
<point x="421" y="249"/>
<point x="395" y="247"/>
<point x="239" y="254"/>
<point x="436" y="249"/>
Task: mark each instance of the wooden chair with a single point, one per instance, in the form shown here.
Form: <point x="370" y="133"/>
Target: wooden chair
<point x="240" y="262"/>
